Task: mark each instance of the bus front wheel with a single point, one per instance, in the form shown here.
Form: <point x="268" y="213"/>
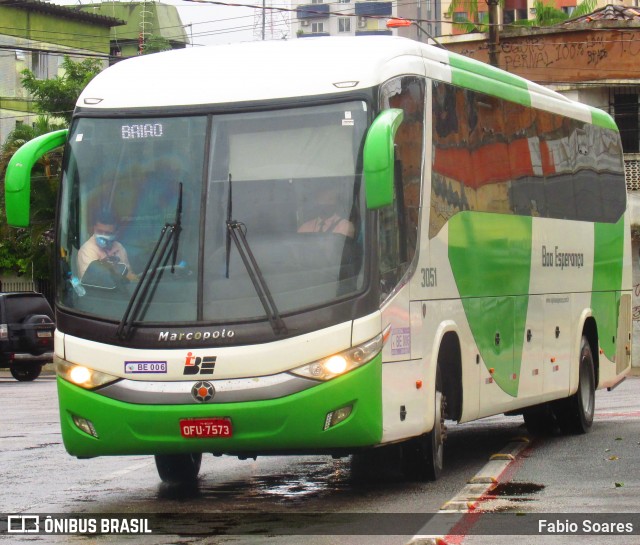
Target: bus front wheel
<point x="423" y="456"/>
<point x="575" y="414"/>
<point x="178" y="468"/>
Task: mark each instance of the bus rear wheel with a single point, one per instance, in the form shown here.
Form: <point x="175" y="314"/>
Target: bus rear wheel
<point x="178" y="468"/>
<point x="575" y="414"/>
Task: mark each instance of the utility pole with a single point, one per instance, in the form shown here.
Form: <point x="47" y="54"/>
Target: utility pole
<point x="494" y="37"/>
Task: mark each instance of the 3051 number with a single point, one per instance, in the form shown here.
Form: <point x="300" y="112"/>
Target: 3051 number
<point x="429" y="277"/>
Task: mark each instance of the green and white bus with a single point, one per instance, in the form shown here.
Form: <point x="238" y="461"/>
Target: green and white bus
<point x="481" y="264"/>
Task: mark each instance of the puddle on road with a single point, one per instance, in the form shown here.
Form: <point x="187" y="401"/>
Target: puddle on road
<point x="312" y="480"/>
<point x="515" y="489"/>
<point x="505" y="497"/>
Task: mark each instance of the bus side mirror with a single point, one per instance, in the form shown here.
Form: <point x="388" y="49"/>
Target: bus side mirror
<point x="17" y="181"/>
<point x="379" y="158"/>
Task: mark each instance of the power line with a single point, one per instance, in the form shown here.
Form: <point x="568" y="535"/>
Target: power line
<point x="71" y="53"/>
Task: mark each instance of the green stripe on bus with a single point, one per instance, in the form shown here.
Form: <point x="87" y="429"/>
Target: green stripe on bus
<point x="490" y="257"/>
<point x="602" y="119"/>
<point x="487" y="79"/>
<point x="607" y="282"/>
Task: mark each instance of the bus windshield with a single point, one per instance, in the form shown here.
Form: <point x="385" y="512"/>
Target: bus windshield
<point x="211" y="210"/>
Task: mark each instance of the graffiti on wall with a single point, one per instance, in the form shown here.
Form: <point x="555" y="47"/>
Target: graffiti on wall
<point x="569" y="53"/>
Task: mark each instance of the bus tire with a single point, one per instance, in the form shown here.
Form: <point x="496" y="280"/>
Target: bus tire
<point x="178" y="468"/>
<point x="423" y="456"/>
<point x="575" y="414"/>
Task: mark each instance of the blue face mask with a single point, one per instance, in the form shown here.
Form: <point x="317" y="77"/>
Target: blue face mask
<point x="105" y="241"/>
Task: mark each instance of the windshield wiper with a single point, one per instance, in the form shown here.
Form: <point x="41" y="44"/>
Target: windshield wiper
<point x="170" y="233"/>
<point x="177" y="228"/>
<point x="237" y="233"/>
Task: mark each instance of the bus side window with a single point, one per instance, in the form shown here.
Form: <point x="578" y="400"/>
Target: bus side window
<point x="398" y="224"/>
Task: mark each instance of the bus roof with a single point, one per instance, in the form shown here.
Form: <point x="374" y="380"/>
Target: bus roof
<point x="256" y="71"/>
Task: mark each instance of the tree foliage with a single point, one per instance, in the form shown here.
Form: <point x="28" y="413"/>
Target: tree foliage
<point x="29" y="250"/>
<point x="57" y="96"/>
<point x="549" y="15"/>
<point x="546" y="14"/>
<point x="156" y="44"/>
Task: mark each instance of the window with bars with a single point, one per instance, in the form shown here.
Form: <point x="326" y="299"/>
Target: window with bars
<point x="626" y="108"/>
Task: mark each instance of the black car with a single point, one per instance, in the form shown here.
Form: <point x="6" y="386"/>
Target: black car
<point x="26" y="334"/>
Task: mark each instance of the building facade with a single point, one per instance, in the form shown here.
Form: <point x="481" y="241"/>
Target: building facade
<point x="434" y="17"/>
<point x="143" y="21"/>
<point x="344" y="18"/>
<point x="37" y="35"/>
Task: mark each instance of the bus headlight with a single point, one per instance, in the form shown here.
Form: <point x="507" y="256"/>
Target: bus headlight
<point x="82" y="376"/>
<point x="338" y="364"/>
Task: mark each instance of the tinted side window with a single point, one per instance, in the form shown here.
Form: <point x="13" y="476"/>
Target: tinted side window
<point x="491" y="155"/>
<point x="399" y="224"/>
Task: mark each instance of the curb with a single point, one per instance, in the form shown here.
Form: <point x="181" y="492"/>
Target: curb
<point x="470" y="497"/>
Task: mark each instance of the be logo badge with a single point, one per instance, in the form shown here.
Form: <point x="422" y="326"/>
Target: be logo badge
<point x="195" y="365"/>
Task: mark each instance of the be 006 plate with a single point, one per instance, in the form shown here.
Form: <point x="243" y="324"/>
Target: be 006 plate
<point x="205" y="428"/>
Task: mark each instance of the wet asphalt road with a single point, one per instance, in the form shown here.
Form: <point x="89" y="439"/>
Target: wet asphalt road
<point x="247" y="502"/>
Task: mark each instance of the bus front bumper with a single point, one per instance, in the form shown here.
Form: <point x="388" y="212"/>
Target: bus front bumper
<point x="295" y="423"/>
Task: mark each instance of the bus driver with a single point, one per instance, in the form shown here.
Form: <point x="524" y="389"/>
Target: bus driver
<point x="327" y="219"/>
<point x="103" y="246"/>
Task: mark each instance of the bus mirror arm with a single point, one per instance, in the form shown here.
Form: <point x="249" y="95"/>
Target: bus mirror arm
<point x="17" y="184"/>
<point x="379" y="158"/>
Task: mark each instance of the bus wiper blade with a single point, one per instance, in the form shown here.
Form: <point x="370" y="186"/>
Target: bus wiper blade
<point x="177" y="229"/>
<point x="235" y="230"/>
<point x="158" y="258"/>
<point x="151" y="271"/>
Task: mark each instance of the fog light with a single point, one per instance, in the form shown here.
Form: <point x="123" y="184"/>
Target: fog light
<point x="337" y="416"/>
<point x="85" y="425"/>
